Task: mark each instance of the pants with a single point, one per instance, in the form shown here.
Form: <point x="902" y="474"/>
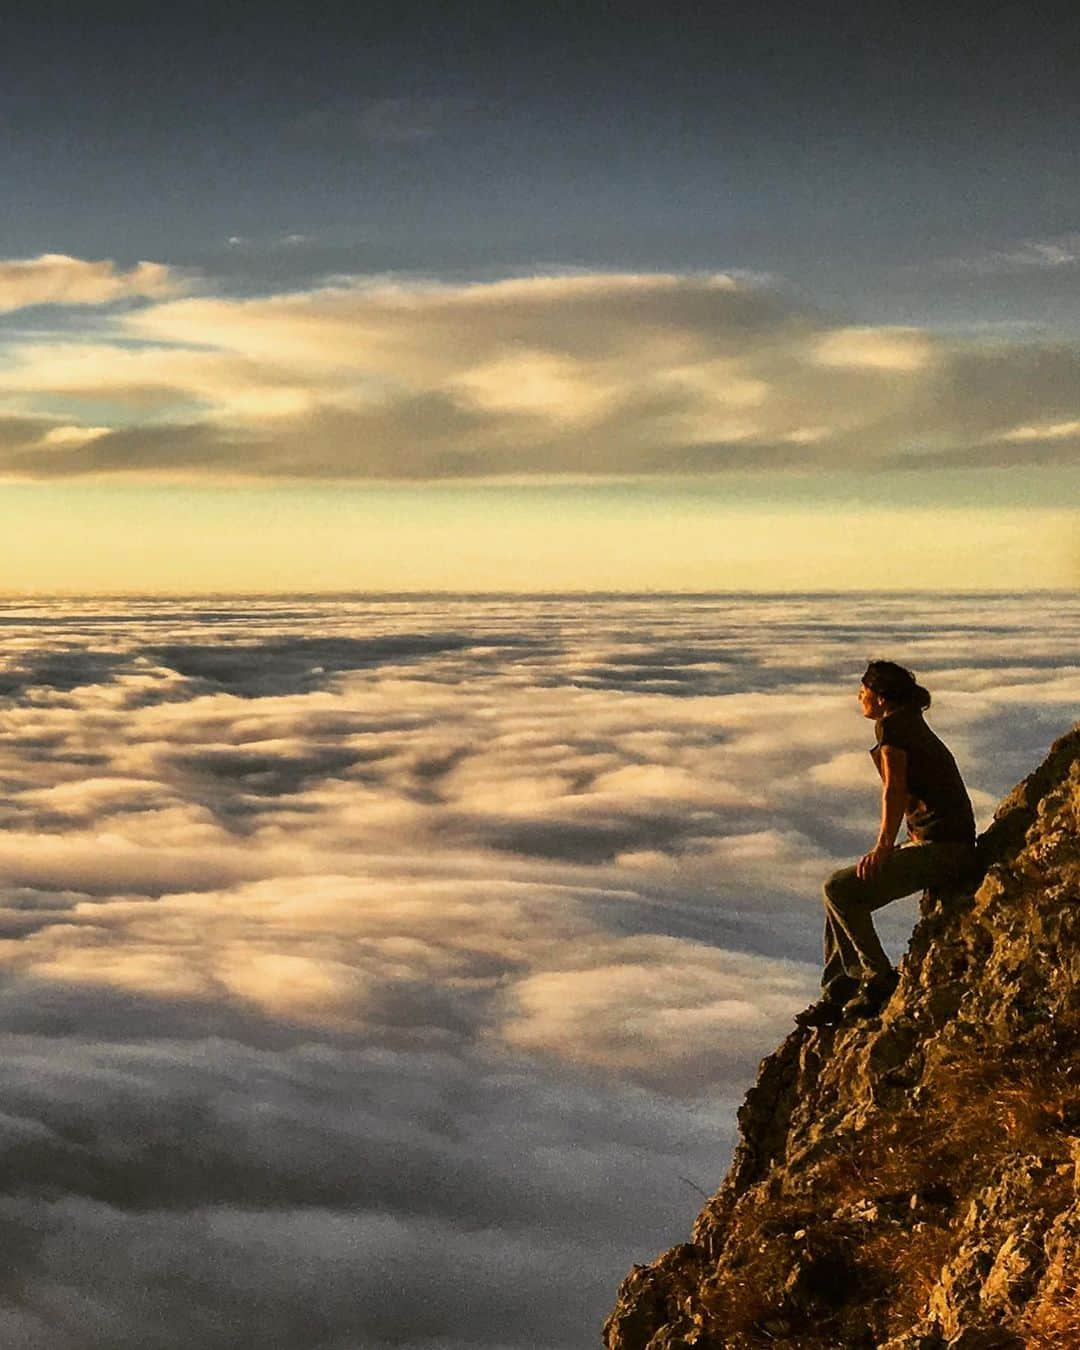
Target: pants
<point x="852" y="949"/>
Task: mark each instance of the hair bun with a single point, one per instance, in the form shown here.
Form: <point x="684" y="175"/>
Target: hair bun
<point x="895" y="684"/>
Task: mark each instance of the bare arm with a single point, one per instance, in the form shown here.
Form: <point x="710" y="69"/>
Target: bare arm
<point x="894" y="799"/>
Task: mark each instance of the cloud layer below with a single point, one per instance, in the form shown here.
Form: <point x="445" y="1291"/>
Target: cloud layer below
<point x="388" y="971"/>
<point x="595" y="374"/>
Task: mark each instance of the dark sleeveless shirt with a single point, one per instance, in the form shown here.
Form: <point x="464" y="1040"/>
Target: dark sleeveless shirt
<point x="939" y="809"/>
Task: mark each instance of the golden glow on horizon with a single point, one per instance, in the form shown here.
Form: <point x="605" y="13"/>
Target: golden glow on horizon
<point x="380" y="434"/>
<point x="116" y="540"/>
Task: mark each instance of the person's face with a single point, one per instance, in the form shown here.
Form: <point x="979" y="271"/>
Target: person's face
<point x="871" y="704"/>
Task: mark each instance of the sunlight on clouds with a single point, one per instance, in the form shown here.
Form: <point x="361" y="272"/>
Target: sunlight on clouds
<point x="89" y="959"/>
<point x="71" y="435"/>
<point x="534" y="383"/>
<point x="152" y="380"/>
<point x="846" y="771"/>
<point x="587" y="375"/>
<point x="887" y="349"/>
<point x="310" y="988"/>
<point x="655" y="1009"/>
<point x="58" y="279"/>
<point x="661" y="780"/>
<point x="1050" y="431"/>
<point x="583" y="286"/>
<point x="720" y="382"/>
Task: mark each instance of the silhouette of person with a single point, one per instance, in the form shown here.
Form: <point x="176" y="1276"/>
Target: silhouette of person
<point x="921" y="785"/>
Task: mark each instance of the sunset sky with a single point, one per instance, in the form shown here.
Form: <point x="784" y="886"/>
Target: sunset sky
<point x="539" y="297"/>
<point x="381" y="962"/>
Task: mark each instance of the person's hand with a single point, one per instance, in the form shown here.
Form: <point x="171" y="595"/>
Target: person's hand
<point x="870" y="862"/>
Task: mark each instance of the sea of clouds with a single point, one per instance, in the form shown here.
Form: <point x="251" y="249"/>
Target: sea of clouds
<point x="386" y="971"/>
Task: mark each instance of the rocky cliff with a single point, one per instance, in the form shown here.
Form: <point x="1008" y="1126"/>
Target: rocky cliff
<point x="913" y="1181"/>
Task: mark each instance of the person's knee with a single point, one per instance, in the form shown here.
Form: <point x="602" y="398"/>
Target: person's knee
<point x="841" y="888"/>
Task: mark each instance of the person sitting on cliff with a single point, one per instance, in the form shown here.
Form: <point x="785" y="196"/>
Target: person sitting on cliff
<point x="920" y="782"/>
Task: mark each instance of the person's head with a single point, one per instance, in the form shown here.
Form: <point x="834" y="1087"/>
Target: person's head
<point x="886" y="687"/>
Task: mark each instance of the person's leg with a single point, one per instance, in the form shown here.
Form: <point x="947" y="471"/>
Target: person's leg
<point x="842" y="968"/>
<point x="855" y="961"/>
<point x="851" y="947"/>
<point x="836" y="984"/>
<point x="850" y="901"/>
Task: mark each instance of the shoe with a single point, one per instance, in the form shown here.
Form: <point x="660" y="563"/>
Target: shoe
<point x="829" y="1008"/>
<point x="826" y="1012"/>
<point x="873" y="995"/>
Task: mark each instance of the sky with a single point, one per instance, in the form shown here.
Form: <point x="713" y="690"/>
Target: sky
<point x="385" y="947"/>
<point x="538" y="297"/>
<point x="387" y="971"/>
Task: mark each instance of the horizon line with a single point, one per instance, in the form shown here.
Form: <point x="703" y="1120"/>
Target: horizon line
<point x="584" y="593"/>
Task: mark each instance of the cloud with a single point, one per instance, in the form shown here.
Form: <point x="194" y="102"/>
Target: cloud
<point x="657" y="1010"/>
<point x="1001" y="454"/>
<point x="1055" y="431"/>
<point x="69" y="435"/>
<point x="594" y="374"/>
<point x="393" y="121"/>
<point x="58" y="279"/>
<point x="1032" y="254"/>
<point x="290" y="239"/>
<point x="291" y="1221"/>
<point x="887" y="349"/>
<point x="387" y="971"/>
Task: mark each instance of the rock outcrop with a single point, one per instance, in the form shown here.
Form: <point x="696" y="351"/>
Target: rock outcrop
<point x="912" y="1181"/>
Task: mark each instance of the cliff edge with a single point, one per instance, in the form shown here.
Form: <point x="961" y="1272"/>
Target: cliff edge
<point x="912" y="1181"/>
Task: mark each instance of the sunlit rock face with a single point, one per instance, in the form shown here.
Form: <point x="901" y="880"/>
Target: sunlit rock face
<point x="910" y="1182"/>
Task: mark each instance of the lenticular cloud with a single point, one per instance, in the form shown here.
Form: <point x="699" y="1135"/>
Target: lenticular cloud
<point x="386" y="971"/>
